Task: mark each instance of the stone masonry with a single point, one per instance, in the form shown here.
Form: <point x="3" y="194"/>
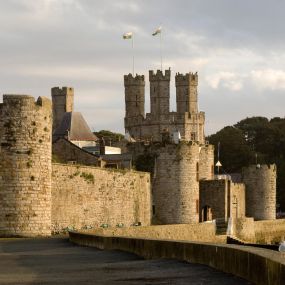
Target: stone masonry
<point x="176" y="184"/>
<point x="187" y="120"/>
<point x="25" y="166"/>
<point x="62" y="101"/>
<point x="260" y="182"/>
<point x="38" y="198"/>
<point x="85" y="197"/>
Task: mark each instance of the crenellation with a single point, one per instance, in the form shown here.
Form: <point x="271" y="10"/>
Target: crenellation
<point x="186" y="79"/>
<point x="188" y="121"/>
<point x="130" y="80"/>
<point x="159" y="76"/>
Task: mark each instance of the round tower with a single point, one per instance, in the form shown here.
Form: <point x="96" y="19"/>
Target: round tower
<point x="260" y="183"/>
<point x="176" y="184"/>
<point x="25" y="166"/>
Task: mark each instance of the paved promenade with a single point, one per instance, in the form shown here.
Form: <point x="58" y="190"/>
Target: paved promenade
<point x="56" y="261"/>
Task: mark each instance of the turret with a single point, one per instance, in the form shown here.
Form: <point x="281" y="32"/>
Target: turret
<point x="134" y="95"/>
<point x="62" y="102"/>
<point x="159" y="92"/>
<point x="186" y="92"/>
<point x="260" y="183"/>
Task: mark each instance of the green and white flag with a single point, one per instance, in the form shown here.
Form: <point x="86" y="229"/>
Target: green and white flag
<point x="127" y="36"/>
<point x="157" y="31"/>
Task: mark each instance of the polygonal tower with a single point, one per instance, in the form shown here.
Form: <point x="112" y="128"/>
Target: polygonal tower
<point x="134" y="103"/>
<point x="62" y="102"/>
<point x="260" y="183"/>
<point x="186" y="93"/>
<point x="25" y="166"/>
<point x="159" y="92"/>
<point x="176" y="184"/>
<point x="134" y="95"/>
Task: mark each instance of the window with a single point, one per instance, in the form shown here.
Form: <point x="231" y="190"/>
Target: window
<point x="193" y="136"/>
<point x="197" y="171"/>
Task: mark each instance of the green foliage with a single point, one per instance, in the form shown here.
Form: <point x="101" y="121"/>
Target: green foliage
<point x="145" y="162"/>
<point x="252" y="140"/>
<point x="89" y="177"/>
<point x="114" y="137"/>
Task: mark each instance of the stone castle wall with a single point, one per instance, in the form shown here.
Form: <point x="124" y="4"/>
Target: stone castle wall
<point x="206" y="162"/>
<point x="89" y="197"/>
<point x="25" y="166"/>
<point x="176" y="185"/>
<point x="225" y="198"/>
<point x="260" y="182"/>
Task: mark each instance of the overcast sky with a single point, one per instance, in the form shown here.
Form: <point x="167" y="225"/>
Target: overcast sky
<point x="237" y="47"/>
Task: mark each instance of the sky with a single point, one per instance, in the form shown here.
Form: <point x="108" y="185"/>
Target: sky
<point x="237" y="48"/>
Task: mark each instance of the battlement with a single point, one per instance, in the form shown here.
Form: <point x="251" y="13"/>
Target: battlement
<point x="260" y="167"/>
<point x="13" y="100"/>
<point x="57" y="91"/>
<point x="187" y="79"/>
<point x="159" y="76"/>
<point x="130" y="80"/>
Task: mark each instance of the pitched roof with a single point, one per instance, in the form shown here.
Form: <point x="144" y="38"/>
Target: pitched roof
<point x="74" y="127"/>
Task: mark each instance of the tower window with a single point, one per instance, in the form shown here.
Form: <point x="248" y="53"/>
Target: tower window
<point x="153" y="89"/>
<point x="197" y="171"/>
<point x="193" y="136"/>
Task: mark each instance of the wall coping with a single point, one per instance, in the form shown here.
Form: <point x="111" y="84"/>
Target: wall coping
<point x="122" y="171"/>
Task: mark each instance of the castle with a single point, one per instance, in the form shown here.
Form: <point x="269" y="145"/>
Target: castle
<point x="188" y="121"/>
<point x="40" y="197"/>
<point x="184" y="187"/>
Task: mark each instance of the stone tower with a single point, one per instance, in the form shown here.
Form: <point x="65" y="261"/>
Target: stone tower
<point x="159" y="92"/>
<point x="260" y="183"/>
<point x="186" y="93"/>
<point x="134" y="95"/>
<point x="176" y="184"/>
<point x="25" y="166"/>
<point x="62" y="101"/>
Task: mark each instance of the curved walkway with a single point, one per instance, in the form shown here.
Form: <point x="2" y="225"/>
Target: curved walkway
<point x="57" y="261"/>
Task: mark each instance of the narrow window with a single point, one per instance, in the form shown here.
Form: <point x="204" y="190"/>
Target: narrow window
<point x="197" y="171"/>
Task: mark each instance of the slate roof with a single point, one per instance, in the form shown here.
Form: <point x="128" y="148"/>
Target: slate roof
<point x="74" y="128"/>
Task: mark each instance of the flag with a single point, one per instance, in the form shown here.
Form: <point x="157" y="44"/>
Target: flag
<point x="127" y="36"/>
<point x="157" y="31"/>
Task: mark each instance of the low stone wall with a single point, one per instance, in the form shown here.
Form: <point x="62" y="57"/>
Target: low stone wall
<point x="261" y="232"/>
<point x="85" y="197"/>
<point x="268" y="232"/>
<point x="259" y="266"/>
<point x="195" y="232"/>
<point x="243" y="228"/>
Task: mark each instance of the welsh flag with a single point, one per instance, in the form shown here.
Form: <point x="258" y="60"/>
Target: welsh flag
<point x="127" y="36"/>
<point x="157" y="31"/>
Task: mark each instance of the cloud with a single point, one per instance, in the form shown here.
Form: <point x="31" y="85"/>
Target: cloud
<point x="237" y="52"/>
<point x="225" y="79"/>
<point x="268" y="79"/>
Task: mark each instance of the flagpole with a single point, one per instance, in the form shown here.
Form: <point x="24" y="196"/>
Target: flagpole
<point x="160" y="52"/>
<point x="133" y="55"/>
